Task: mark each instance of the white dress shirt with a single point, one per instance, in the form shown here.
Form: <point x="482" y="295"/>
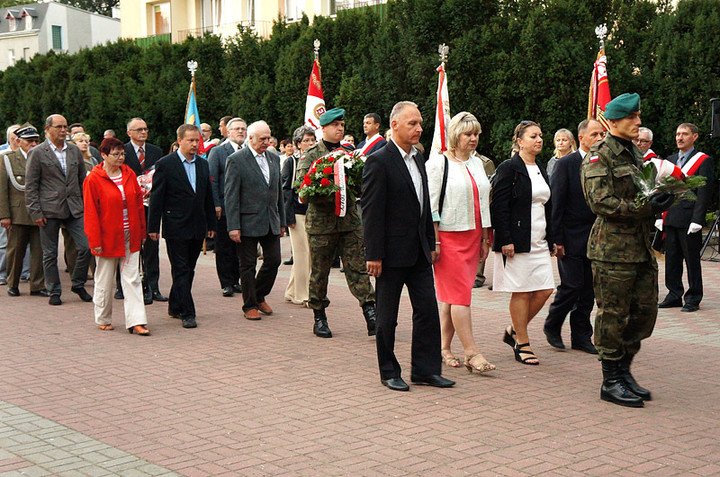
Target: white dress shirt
<point x="413" y="169"/>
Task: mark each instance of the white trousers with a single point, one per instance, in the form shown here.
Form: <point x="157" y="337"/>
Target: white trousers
<point x="297" y="288"/>
<point x="131" y="285"/>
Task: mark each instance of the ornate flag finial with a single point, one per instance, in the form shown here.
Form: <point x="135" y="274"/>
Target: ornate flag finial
<point x="192" y="66"/>
<point x="443" y="51"/>
<point x="316" y="47"/>
<point x="601" y="33"/>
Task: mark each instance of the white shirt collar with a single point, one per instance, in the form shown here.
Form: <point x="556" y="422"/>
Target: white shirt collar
<point x="55" y="148"/>
<point x="582" y="153"/>
<point x="404" y="153"/>
<point x="137" y="147"/>
<point x="22" y="152"/>
<point x="254" y="152"/>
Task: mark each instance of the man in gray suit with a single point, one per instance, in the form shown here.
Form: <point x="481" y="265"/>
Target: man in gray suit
<point x="54" y="178"/>
<point x="226" y="257"/>
<point x="255" y="214"/>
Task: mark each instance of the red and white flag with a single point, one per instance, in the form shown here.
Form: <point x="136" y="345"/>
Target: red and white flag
<point x="599" y="90"/>
<point x="315" y="103"/>
<point x="442" y="114"/>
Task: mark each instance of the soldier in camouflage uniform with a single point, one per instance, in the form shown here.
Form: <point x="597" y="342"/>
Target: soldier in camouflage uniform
<point x="625" y="272"/>
<point x="328" y="232"/>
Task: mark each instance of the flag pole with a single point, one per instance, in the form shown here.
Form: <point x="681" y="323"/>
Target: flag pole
<point x="192" y="66"/>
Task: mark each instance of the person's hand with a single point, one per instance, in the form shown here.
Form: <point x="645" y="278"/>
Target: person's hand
<point x="434" y="256"/>
<point x="218" y="212"/>
<point x="508" y="250"/>
<point x="142" y="242"/>
<point x="283" y="231"/>
<point x="234" y="235"/>
<point x="659" y="224"/>
<point x="374" y="267"/>
<point x="694" y="228"/>
<point x="6" y="223"/>
<point x="97" y="250"/>
<point x="41" y="222"/>
<point x="559" y="251"/>
<point x="661" y="202"/>
<point x="154" y="237"/>
<point x="291" y="226"/>
<point x="484" y="251"/>
<point x="211" y="234"/>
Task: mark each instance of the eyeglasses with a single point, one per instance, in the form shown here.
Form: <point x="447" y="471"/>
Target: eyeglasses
<point x="60" y="126"/>
<point x="139" y="130"/>
<point x="117" y="154"/>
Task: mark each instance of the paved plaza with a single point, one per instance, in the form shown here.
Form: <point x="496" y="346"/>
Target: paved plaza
<point x="241" y="398"/>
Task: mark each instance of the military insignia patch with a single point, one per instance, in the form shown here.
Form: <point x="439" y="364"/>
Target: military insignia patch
<point x="594" y="158"/>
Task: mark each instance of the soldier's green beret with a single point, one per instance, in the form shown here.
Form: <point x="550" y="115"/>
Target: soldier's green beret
<point x="335" y="114"/>
<point x="622" y="106"/>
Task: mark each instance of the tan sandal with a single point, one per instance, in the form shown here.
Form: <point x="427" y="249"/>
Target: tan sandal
<point x="477" y="362"/>
<point x="106" y="327"/>
<point x="449" y="359"/>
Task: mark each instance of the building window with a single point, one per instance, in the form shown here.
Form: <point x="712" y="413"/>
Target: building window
<point x="28" y="22"/>
<point x="57" y="37"/>
<point x="11" y="57"/>
<point x="251" y="11"/>
<point x="294" y="9"/>
<point x="211" y="14"/>
<point x="161" y="18"/>
<point x="12" y="21"/>
<point x="26" y="54"/>
<point x="332" y="8"/>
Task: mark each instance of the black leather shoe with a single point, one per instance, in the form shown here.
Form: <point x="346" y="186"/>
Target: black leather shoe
<point x="42" y="292"/>
<point x="554" y="339"/>
<point x="321" y="328"/>
<point x="55" y="300"/>
<point x="614" y="389"/>
<point x="119" y="294"/>
<point x="689" y="308"/>
<point x="432" y="380"/>
<point x="157" y="296"/>
<point x="237" y="288"/>
<point x="228" y="291"/>
<point x="586" y="346"/>
<point x="147" y="297"/>
<point x="172" y="314"/>
<point x="82" y="293"/>
<point x="630" y="383"/>
<point x="396" y="384"/>
<point x="370" y="318"/>
<point x="13" y="291"/>
<point x="668" y="303"/>
<point x="189" y="323"/>
<point x="478" y="283"/>
<point x="288" y="262"/>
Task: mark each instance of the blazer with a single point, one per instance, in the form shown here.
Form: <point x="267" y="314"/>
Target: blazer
<point x="395" y="228"/>
<point x="511" y="203"/>
<point x="185" y="214"/>
<point x="252" y="205"/>
<point x="152" y="155"/>
<point x="216" y="161"/>
<point x="572" y="218"/>
<point x="290" y="197"/>
<point x="12" y="201"/>
<point x="380" y="144"/>
<point x="685" y="212"/>
<point x="49" y="192"/>
<point x="459" y="206"/>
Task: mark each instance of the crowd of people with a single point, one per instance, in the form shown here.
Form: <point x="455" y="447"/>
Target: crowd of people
<point x="428" y="225"/>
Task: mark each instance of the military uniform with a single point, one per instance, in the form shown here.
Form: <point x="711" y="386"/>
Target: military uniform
<point x="328" y="232"/>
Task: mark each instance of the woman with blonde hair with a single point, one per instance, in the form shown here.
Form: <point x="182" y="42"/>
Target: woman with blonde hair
<point x="459" y="199"/>
<point x="564" y="144"/>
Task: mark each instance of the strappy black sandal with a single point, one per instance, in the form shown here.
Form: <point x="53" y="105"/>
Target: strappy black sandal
<point x="509" y="338"/>
<point x="529" y="360"/>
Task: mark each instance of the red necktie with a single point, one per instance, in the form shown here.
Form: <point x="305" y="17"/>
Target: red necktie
<point x="142" y="157"/>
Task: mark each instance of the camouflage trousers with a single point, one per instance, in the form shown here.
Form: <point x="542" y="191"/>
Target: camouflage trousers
<point x="322" y="253"/>
<point x="626" y="295"/>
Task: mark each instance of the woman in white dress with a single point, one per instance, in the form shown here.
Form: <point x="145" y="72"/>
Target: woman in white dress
<point x="520" y="212"/>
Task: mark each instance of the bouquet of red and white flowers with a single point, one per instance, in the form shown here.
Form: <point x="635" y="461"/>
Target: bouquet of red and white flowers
<point x="337" y="175"/>
<point x="660" y="175"/>
<point x="145" y="183"/>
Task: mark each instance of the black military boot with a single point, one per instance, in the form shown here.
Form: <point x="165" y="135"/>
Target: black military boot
<point x="614" y="389"/>
<point x="370" y="317"/>
<point x="321" y="329"/>
<point x="630" y="383"/>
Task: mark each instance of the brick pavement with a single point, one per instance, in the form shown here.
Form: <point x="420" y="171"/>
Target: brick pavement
<point x="235" y="397"/>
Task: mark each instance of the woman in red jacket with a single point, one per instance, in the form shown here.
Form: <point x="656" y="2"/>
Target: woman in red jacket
<point x="115" y="228"/>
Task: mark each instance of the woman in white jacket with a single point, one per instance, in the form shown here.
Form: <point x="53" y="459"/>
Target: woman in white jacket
<point x="459" y="198"/>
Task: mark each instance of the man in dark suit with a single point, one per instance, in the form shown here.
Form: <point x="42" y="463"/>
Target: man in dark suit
<point x="255" y="215"/>
<point x="373" y="141"/>
<point x="55" y="173"/>
<point x="400" y="249"/>
<point x="182" y="199"/>
<point x="572" y="220"/>
<point x="141" y="156"/>
<point x="226" y="257"/>
<point x="683" y="224"/>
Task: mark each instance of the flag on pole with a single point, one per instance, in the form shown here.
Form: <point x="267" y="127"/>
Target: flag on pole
<point x="599" y="89"/>
<point x="442" y="114"/>
<point x="192" y="116"/>
<point x="315" y="103"/>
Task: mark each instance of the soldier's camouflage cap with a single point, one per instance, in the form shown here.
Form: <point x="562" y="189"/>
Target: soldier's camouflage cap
<point x="335" y="114"/>
<point x="622" y="106"/>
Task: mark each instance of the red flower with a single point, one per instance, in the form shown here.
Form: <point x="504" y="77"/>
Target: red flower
<point x="307" y="181"/>
<point x="331" y="159"/>
<point x="312" y="170"/>
<point x="324" y="182"/>
<point x="328" y="170"/>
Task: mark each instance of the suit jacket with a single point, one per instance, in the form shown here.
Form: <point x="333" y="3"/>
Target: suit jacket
<point x="217" y="160"/>
<point x="252" y="205"/>
<point x="572" y="218"/>
<point x="290" y="196"/>
<point x="49" y="192"/>
<point x="12" y="201"/>
<point x="688" y="211"/>
<point x="511" y="203"/>
<point x="185" y="214"/>
<point x="396" y="230"/>
<point x="380" y="144"/>
<point x="152" y="154"/>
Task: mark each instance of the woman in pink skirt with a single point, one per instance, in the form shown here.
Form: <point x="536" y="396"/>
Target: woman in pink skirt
<point x="460" y="199"/>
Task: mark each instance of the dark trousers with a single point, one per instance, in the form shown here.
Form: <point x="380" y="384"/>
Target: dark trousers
<point x="680" y="246"/>
<point x="256" y="287"/>
<point x="575" y="295"/>
<point x="150" y="256"/>
<point x="226" y="256"/>
<point x="183" y="255"/>
<point x="19" y="237"/>
<point x="425" y="350"/>
<point x="49" y="241"/>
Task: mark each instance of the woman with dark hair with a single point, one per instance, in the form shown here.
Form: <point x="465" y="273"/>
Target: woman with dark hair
<point x="115" y="228"/>
<point x="520" y="210"/>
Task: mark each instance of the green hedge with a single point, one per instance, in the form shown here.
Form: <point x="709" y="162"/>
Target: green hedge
<point x="509" y="60"/>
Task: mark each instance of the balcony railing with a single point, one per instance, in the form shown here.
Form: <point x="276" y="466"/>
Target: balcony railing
<point x="348" y="4"/>
<point x="262" y="28"/>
